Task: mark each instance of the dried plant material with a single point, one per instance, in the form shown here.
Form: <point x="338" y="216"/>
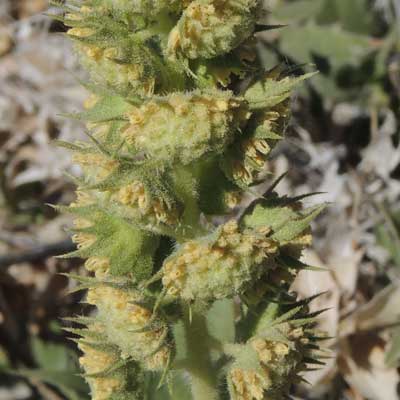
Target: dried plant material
<point x="343" y="257"/>
<point x="382" y="144"/>
<point x="362" y="363"/>
<point x="311" y="283"/>
<point x="380" y="312"/>
<point x="5" y="43"/>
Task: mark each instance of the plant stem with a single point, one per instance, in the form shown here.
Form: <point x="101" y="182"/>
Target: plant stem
<point x="198" y="362"/>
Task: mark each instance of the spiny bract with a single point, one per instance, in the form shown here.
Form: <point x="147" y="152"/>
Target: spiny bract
<point x="273" y="358"/>
<point x="186" y="281"/>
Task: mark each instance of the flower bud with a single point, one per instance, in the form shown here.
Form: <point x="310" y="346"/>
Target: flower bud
<point x="218" y="267"/>
<point x="210" y="28"/>
<point x="184" y="127"/>
<point x="130" y="327"/>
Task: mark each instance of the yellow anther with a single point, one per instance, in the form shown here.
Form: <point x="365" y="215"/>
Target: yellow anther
<point x="242" y="173"/>
<point x="91" y="101"/>
<point x="135" y="72"/>
<point x="281" y="349"/>
<point x="86" y="10"/>
<point x="232" y="199"/>
<point x="231" y="227"/>
<point x="262" y="146"/>
<point x="82" y="223"/>
<point x="136" y="116"/>
<point x="73" y="17"/>
<point x="99" y="265"/>
<point x="81" y="32"/>
<point x="174" y="40"/>
<point x="111" y="52"/>
<point x="222" y="105"/>
<point x="83" y="240"/>
<point x="94" y="52"/>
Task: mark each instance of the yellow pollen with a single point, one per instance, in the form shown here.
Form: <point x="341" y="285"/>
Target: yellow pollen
<point x="264" y="230"/>
<point x="82" y="223"/>
<point x="95" y="361"/>
<point x="218" y="252"/>
<point x="99" y="265"/>
<point x="73" y="17"/>
<point x="103" y="388"/>
<point x="94" y="52"/>
<point x="136" y="116"/>
<point x="230" y="227"/>
<point x="82" y="199"/>
<point x="80" y="32"/>
<point x="83" y="240"/>
<point x="172" y="291"/>
<point x="210" y="9"/>
<point x="259" y="160"/>
<point x="248" y="384"/>
<point x="242" y="173"/>
<point x="297" y="333"/>
<point x="86" y="10"/>
<point x="111" y="52"/>
<point x="174" y="40"/>
<point x="91" y="101"/>
<point x="262" y="146"/>
<point x="132" y="194"/>
<point x="139" y="315"/>
<point x="232" y="199"/>
<point x="222" y="105"/>
<point x="135" y="72"/>
<point x="281" y="349"/>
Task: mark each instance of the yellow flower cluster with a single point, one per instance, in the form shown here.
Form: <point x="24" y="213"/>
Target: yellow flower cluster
<point x="203" y="269"/>
<point x="104" y="61"/>
<point x="82" y="199"/>
<point x="156" y="210"/>
<point x="83" y="240"/>
<point x="256" y="150"/>
<point x="252" y="384"/>
<point x="232" y="198"/>
<point x="79" y="15"/>
<point x="255" y="153"/>
<point x="128" y="326"/>
<point x="198" y="16"/>
<point x="96" y="361"/>
<point x="212" y="28"/>
<point x="99" y="265"/>
<point x="95" y="165"/>
<point x="101" y="62"/>
<point x="185" y="126"/>
<point x="248" y="384"/>
<point x="81" y="32"/>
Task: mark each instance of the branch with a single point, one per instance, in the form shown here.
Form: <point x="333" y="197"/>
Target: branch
<point x="38" y="253"/>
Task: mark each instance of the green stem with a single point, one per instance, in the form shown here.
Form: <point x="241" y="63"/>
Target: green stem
<point x="198" y="362"/>
<point x="185" y="186"/>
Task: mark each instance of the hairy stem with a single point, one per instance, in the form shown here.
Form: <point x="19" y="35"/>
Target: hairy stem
<point x="198" y="365"/>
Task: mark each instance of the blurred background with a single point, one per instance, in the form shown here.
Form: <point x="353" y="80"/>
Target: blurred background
<point x="343" y="140"/>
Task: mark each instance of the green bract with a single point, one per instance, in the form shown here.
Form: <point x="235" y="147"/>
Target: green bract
<point x="274" y="356"/>
<point x="147" y="8"/>
<point x="187" y="281"/>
